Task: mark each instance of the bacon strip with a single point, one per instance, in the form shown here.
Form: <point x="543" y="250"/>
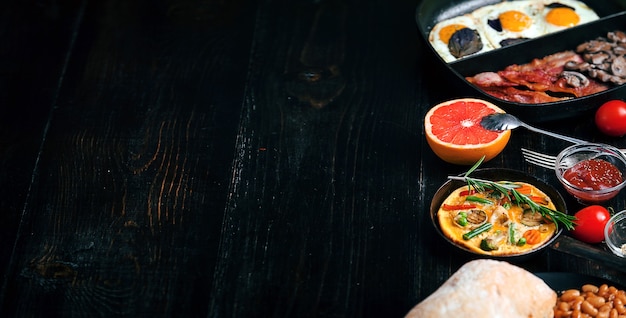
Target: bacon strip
<point x="540" y="81"/>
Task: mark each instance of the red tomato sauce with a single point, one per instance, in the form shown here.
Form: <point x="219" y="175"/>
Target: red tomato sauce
<point x="593" y="174"/>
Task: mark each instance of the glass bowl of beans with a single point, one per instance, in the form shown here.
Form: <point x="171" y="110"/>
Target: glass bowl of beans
<point x="592" y="173"/>
<point x="615" y="234"/>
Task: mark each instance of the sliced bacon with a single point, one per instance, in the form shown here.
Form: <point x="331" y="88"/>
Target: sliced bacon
<point x="539" y="81"/>
<point x="593" y="87"/>
<point x="489" y="79"/>
<point x="513" y="94"/>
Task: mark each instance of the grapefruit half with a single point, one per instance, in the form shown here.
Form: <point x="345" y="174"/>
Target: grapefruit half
<point x="454" y="133"/>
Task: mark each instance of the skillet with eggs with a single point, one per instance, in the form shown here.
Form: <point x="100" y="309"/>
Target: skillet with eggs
<point x="505" y="23"/>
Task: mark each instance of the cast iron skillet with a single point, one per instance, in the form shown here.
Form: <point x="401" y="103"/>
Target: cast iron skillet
<point x="497" y="174"/>
<point x="613" y="17"/>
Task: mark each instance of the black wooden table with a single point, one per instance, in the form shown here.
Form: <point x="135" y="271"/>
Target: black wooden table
<point x="194" y="158"/>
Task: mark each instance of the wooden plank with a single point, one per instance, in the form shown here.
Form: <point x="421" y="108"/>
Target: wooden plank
<point x="129" y="197"/>
<point x="234" y="159"/>
<point x="326" y="204"/>
<point x="36" y="41"/>
<point x="333" y="178"/>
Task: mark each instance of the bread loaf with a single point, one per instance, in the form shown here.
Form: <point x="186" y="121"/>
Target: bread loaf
<point x="489" y="288"/>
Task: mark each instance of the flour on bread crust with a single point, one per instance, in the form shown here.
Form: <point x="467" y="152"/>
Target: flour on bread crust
<point x="489" y="288"/>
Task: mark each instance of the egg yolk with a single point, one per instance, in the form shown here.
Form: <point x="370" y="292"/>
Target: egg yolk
<point x="446" y="32"/>
<point x="514" y="21"/>
<point x="565" y="17"/>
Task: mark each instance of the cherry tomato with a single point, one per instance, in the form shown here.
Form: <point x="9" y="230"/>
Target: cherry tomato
<point x="590" y="224"/>
<point x="611" y="118"/>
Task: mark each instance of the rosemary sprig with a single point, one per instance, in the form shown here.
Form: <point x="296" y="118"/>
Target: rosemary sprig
<point x="508" y="190"/>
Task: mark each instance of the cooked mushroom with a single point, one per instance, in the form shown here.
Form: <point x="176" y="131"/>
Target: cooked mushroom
<point x="594" y="46"/>
<point x="572" y="65"/>
<point x="511" y="41"/>
<point x="600" y="74"/>
<point x="618" y="68"/>
<point x="575" y="79"/>
<point x="465" y="42"/>
<point x="604" y="66"/>
<point x="476" y="217"/>
<point x="617" y="36"/>
<point x="618" y="80"/>
<point x="599" y="57"/>
<point x="603" y="59"/>
<point x="619" y="49"/>
<point x="472" y="218"/>
<point x="531" y="218"/>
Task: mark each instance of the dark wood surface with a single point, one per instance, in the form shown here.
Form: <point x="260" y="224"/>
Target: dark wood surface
<point x="194" y="158"/>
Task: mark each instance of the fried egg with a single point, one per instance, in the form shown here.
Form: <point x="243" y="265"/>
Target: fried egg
<point x="563" y="14"/>
<point x="505" y="23"/>
<point x="511" y="21"/>
<point x="456" y="30"/>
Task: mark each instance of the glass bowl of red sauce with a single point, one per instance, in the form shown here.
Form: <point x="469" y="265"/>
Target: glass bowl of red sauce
<point x="592" y="173"/>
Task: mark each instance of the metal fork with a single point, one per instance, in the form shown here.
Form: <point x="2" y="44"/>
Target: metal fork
<point x="539" y="159"/>
<point x="542" y="159"/>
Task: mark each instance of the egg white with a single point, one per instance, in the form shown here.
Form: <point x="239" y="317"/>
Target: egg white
<point x="584" y="12"/>
<point x="441" y="46"/>
<point x="478" y="20"/>
<point x="531" y="8"/>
